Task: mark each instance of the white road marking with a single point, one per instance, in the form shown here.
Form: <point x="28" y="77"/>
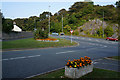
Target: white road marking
<point x="97" y="40"/>
<point x="111" y="64"/>
<point x="82" y="38"/>
<point x="105" y="46"/>
<point x="20" y="57"/>
<point x="91" y="49"/>
<point x="90" y="39"/>
<point x="95" y="62"/>
<point x="34" y="56"/>
<point x="16" y="58"/>
<point x="65" y="52"/>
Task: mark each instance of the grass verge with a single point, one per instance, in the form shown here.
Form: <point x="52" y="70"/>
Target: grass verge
<point x="115" y="57"/>
<point x="97" y="73"/>
<point x="32" y="43"/>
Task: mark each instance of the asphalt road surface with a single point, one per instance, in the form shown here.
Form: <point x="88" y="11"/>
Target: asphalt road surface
<point x="26" y="63"/>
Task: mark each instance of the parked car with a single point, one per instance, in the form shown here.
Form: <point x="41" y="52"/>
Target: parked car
<point x="61" y="34"/>
<point x="56" y="34"/>
<point x="112" y="39"/>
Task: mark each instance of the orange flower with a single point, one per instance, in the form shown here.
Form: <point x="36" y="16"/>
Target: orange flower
<point x="75" y="60"/>
<point x="78" y="59"/>
<point x="70" y="66"/>
<point x="67" y="63"/>
<point x="82" y="60"/>
<point x="80" y="64"/>
<point x="85" y="56"/>
<point x="68" y="60"/>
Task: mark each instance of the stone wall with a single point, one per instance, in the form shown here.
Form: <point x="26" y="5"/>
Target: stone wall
<point x="16" y="35"/>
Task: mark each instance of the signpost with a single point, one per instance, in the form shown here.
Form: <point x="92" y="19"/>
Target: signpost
<point x="71" y="31"/>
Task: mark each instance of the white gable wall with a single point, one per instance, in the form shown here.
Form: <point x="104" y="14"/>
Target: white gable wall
<point x="17" y="29"/>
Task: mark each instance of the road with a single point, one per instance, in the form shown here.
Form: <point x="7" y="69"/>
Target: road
<point x="26" y="63"/>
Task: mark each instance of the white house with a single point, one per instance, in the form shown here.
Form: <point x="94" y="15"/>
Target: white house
<point x="16" y="28"/>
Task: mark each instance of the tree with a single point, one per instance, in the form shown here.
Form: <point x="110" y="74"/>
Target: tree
<point x="77" y="6"/>
<point x="45" y="15"/>
<point x="7" y="25"/>
<point x="62" y="12"/>
<point x="100" y="32"/>
<point x="40" y="34"/>
<point x="108" y="31"/>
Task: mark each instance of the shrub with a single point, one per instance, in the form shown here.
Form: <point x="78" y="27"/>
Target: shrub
<point x="100" y="32"/>
<point x="76" y="33"/>
<point x="7" y="25"/>
<point x="39" y="34"/>
<point x="109" y="31"/>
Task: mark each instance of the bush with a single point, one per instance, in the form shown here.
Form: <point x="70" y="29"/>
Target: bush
<point x="39" y="34"/>
<point x="109" y="31"/>
<point x="76" y="33"/>
<point x="7" y="25"/>
<point x="100" y="32"/>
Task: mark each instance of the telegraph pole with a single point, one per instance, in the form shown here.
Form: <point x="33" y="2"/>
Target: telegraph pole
<point x="103" y="23"/>
<point x="49" y="21"/>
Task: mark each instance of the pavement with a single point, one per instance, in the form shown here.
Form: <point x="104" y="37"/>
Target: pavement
<point x="27" y="63"/>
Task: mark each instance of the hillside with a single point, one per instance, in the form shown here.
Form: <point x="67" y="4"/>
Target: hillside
<point x="92" y="26"/>
<point x="84" y="18"/>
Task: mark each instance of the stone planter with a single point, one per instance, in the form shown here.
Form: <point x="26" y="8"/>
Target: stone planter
<point x="77" y="73"/>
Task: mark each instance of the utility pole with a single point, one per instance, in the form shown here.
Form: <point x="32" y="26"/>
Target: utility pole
<point x="62" y="23"/>
<point x="103" y="23"/>
<point x="49" y="21"/>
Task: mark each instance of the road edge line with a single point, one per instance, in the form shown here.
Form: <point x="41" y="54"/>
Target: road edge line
<point x="44" y="72"/>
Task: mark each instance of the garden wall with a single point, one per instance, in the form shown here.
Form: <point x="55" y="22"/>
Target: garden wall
<point x="16" y="35"/>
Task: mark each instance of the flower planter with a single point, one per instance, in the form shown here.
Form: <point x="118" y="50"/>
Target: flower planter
<point x="77" y="73"/>
<point x="48" y="40"/>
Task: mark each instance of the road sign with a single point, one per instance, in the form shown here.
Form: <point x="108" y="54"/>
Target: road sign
<point x="71" y="35"/>
<point x="71" y="31"/>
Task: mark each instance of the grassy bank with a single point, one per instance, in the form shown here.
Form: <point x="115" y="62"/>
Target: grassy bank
<point x="97" y="73"/>
<point x="32" y="43"/>
<point x="115" y="57"/>
<point x="88" y="36"/>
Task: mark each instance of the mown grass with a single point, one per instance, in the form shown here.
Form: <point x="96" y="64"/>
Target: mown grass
<point x="32" y="43"/>
<point x="97" y="73"/>
<point x="115" y="57"/>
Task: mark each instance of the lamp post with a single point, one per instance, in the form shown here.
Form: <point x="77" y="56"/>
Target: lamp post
<point x="49" y="20"/>
<point x="103" y="23"/>
<point x="62" y="23"/>
<point x="35" y="25"/>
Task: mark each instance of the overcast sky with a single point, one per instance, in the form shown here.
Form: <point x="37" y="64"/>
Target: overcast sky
<point x="26" y="8"/>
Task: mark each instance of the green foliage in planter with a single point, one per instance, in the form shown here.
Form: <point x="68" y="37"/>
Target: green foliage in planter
<point x="40" y="34"/>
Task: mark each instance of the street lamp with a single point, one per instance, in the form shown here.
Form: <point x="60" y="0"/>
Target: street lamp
<point x="62" y="23"/>
<point x="49" y="21"/>
<point x="103" y="23"/>
<point x="35" y="25"/>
